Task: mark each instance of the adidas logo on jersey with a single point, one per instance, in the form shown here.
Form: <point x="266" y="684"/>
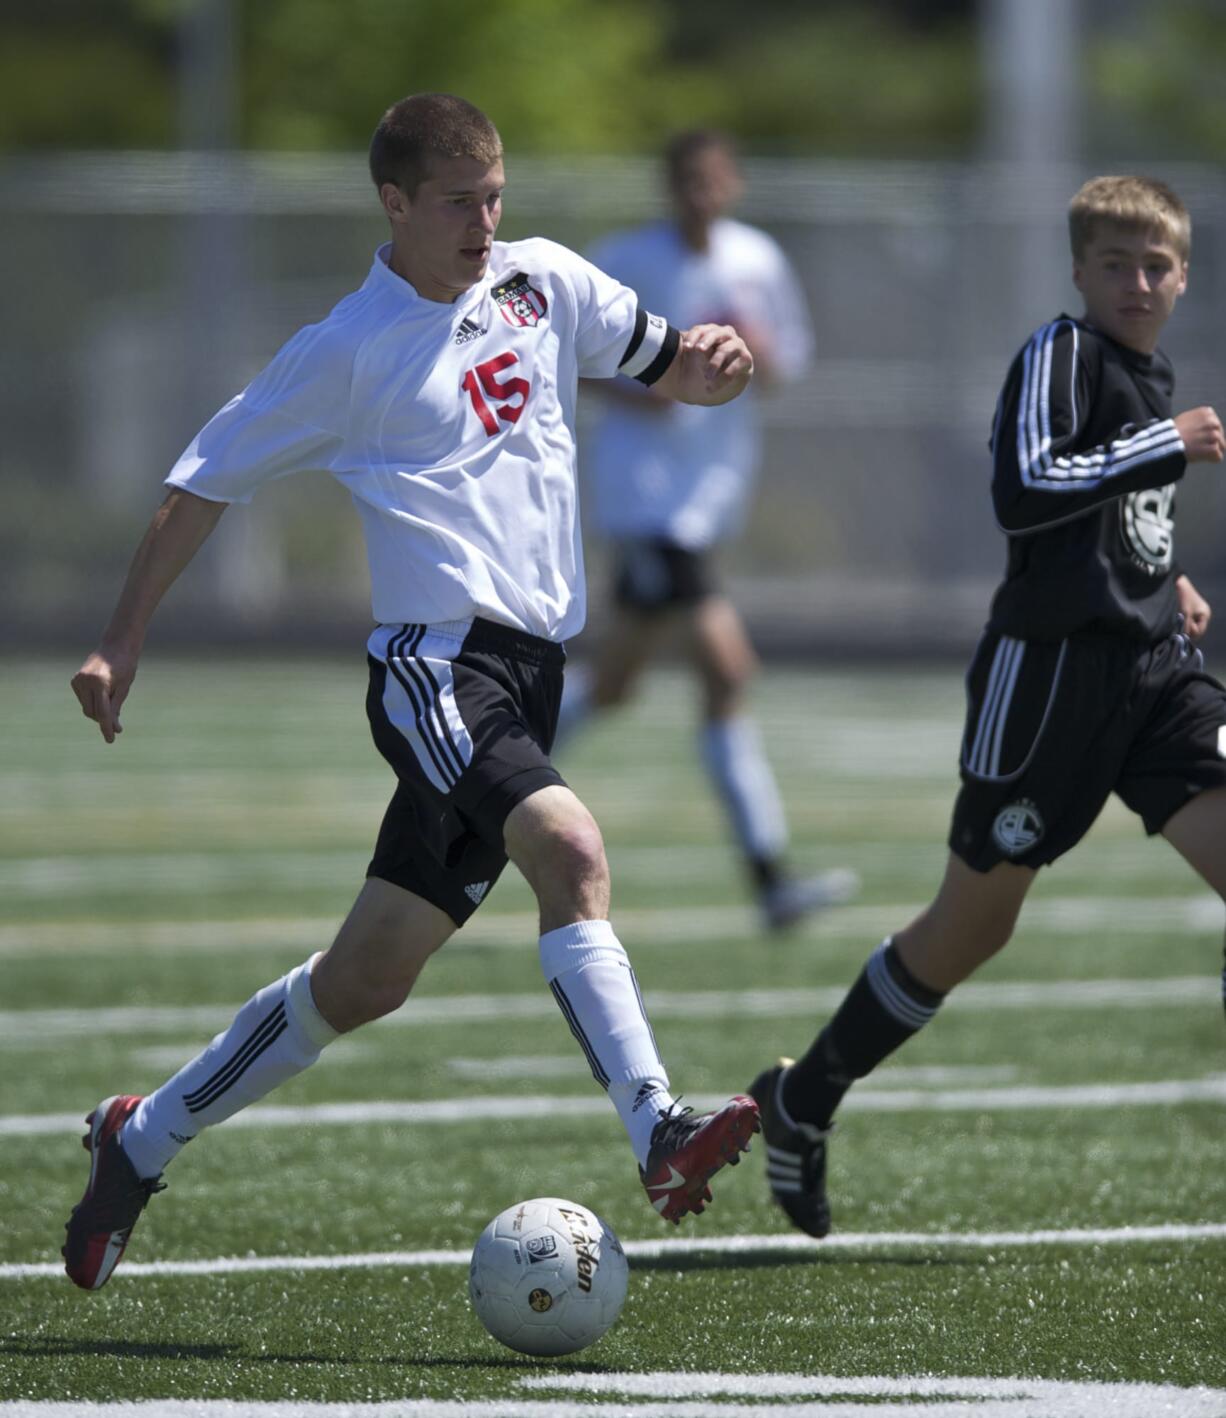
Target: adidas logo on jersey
<point x="469" y="330"/>
<point x="475" y="891"/>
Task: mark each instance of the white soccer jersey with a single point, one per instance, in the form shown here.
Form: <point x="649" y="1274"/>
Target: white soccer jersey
<point x="452" y="426"/>
<point x="683" y="471"/>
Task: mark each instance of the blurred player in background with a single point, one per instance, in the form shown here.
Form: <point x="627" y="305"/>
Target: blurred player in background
<point x="671" y="484"/>
<point x="442" y="394"/>
<point x="1086" y="681"/>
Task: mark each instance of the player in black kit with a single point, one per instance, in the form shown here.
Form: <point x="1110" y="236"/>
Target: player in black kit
<point x="1086" y="681"/>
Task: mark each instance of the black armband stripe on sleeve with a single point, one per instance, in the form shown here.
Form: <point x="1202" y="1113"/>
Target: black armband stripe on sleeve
<point x="668" y="352"/>
<point x="640" y="329"/>
<point x="651" y="349"/>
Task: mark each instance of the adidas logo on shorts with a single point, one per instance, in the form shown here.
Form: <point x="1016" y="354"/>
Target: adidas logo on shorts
<point x="475" y="891"/>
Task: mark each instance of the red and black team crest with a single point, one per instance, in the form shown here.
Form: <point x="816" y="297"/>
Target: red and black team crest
<point x="519" y="301"/>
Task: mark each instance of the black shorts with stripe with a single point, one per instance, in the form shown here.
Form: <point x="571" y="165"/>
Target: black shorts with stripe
<point x="1053" y="729"/>
<point x="465" y="712"/>
<point x="654" y="574"/>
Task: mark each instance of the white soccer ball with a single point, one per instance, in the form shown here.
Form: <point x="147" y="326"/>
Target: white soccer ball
<point x="547" y="1276"/>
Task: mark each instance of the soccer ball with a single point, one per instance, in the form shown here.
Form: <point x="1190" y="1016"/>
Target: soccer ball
<point x="547" y="1277"/>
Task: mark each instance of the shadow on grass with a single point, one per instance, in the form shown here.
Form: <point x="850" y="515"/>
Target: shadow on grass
<point x="55" y="1347"/>
<point x="62" y="1347"/>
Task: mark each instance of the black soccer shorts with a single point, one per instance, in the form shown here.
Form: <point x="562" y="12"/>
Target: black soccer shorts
<point x="466" y="714"/>
<point x="653" y="574"/>
<point x="1053" y="729"/>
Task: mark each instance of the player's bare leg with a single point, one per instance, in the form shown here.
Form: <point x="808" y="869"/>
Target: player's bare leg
<point x="376" y="957"/>
<point x="736" y="761"/>
<point x="971" y="918"/>
<point x="898" y="992"/>
<point x="1198" y="833"/>
<point x="629" y="644"/>
<point x="556" y="844"/>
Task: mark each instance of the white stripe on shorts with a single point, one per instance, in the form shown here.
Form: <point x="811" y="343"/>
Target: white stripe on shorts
<point x="419" y="697"/>
<point x="984" y="757"/>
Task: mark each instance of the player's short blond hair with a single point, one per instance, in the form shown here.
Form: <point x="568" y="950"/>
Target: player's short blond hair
<point x="1138" y="203"/>
<point x="424" y="127"/>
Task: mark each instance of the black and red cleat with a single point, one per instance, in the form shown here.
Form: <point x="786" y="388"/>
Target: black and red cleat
<point x="102" y="1220"/>
<point x="688" y="1149"/>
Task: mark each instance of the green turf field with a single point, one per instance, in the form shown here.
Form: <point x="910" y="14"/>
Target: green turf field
<point x="1034" y="1190"/>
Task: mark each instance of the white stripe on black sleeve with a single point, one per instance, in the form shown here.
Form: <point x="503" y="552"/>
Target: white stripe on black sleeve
<point x="1075" y="472"/>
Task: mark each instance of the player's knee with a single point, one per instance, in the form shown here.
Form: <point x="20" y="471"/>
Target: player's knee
<point x="575" y="856"/>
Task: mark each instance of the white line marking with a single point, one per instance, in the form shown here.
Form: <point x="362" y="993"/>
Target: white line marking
<point x="493" y="1108"/>
<point x="785" y="1242"/>
<point x="652" y="926"/>
<point x="25" y="1026"/>
<point x="974" y="1398"/>
<point x="1014" y="1395"/>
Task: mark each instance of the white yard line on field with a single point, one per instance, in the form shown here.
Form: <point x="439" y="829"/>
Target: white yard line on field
<point x="21" y="1027"/>
<point x="787" y="1242"/>
<point x="1197" y="914"/>
<point x="491" y="1108"/>
<point x="884" y="1398"/>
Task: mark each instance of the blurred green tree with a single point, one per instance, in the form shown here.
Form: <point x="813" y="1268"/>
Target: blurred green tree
<point x="558" y="75"/>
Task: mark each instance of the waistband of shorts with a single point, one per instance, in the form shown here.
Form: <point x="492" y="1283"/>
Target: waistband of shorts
<point x="495" y="639"/>
<point x="498" y="639"/>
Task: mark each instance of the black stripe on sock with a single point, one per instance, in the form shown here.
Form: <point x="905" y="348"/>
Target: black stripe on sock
<point x="265" y="1032"/>
<point x="576" y="1029"/>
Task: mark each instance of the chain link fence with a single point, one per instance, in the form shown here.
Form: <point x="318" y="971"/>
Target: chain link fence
<point x="140" y="291"/>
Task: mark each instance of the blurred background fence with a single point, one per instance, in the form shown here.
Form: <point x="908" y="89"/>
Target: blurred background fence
<point x="141" y="289"/>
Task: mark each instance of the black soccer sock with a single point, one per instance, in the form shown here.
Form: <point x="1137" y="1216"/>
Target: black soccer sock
<point x="766" y="872"/>
<point x="882" y="1010"/>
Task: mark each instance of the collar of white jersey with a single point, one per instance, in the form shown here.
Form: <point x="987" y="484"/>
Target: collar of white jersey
<point x="381" y="274"/>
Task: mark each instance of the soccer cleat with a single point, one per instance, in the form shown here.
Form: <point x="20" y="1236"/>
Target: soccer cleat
<point x="789" y="901"/>
<point x="687" y="1150"/>
<point x="102" y="1220"/>
<point x="795" y="1157"/>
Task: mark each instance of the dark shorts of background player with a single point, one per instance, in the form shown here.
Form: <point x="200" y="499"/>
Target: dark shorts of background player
<point x="652" y="575"/>
<point x="448" y="847"/>
<point x="1053" y="729"/>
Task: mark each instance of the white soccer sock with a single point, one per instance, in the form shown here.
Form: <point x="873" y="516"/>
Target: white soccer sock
<point x="594" y="985"/>
<point x="275" y="1035"/>
<point x="733" y="753"/>
<point x="576" y="705"/>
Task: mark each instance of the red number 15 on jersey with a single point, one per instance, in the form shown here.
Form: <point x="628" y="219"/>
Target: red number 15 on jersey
<point x="483" y="380"/>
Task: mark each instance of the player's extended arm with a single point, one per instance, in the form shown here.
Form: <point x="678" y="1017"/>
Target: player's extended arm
<point x="1043" y="471"/>
<point x="177" y="531"/>
<point x="712" y="366"/>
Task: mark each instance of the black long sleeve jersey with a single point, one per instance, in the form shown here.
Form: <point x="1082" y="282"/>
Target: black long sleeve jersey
<point x="1085" y="459"/>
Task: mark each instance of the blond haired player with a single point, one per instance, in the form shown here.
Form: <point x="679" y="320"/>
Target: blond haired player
<point x="1086" y="681"/>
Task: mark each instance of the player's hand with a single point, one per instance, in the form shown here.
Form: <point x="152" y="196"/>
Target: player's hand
<point x="716" y="364"/>
<point x="101" y="686"/>
<point x="1201" y="431"/>
<point x="1193" y="608"/>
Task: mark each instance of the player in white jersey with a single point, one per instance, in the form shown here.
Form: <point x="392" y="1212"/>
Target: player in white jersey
<point x="671" y="483"/>
<point x="442" y="394"/>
